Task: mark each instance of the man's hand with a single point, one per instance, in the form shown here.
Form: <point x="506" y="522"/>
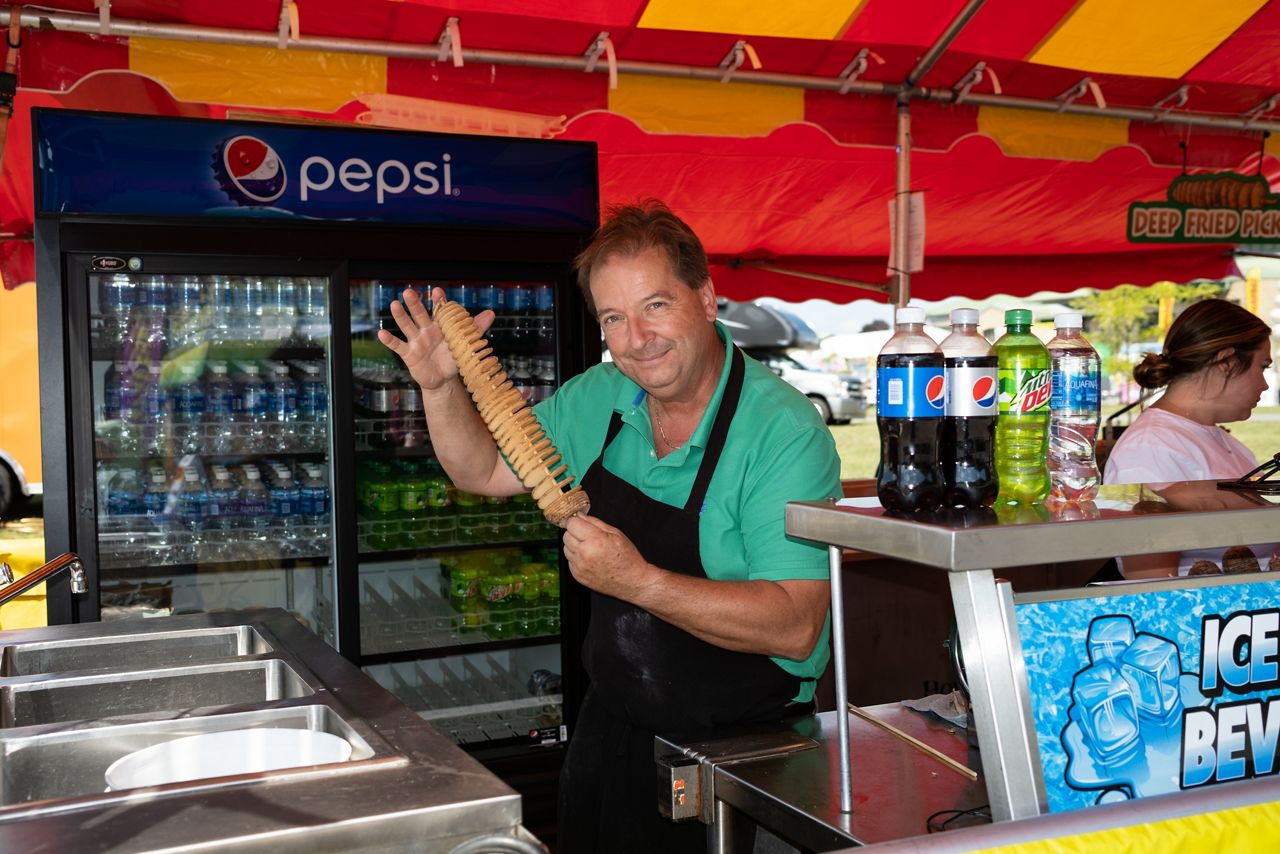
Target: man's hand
<point x="423" y="349"/>
<point x="603" y="559"/>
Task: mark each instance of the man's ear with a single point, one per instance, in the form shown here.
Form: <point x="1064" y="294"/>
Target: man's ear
<point x="707" y="294"/>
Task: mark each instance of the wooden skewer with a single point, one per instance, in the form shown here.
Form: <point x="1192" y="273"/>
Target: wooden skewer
<point x="958" y="767"/>
<point x="507" y="415"/>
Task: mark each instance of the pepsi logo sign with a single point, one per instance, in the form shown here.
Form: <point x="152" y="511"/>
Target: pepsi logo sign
<point x="250" y="171"/>
<point x="984" y="391"/>
<point x="935" y="392"/>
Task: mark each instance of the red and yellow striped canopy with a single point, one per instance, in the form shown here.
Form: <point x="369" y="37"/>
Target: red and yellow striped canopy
<point x="1016" y="200"/>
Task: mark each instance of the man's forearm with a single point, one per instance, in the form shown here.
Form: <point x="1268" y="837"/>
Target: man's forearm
<point x="778" y="618"/>
<point x="463" y="444"/>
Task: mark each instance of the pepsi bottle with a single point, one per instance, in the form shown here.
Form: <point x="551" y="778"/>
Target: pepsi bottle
<point x="909" y="409"/>
<point x="969" y="425"/>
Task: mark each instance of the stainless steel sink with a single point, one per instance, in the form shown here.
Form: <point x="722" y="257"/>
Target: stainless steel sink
<point x="144" y="650"/>
<point x="106" y="695"/>
<point x="72" y="763"/>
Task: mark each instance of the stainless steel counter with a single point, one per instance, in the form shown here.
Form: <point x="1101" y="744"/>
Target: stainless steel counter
<point x="73" y="699"/>
<point x="796" y="795"/>
<point x="1125" y="520"/>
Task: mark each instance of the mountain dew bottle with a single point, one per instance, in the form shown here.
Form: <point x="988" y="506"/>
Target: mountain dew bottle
<point x="1022" y="427"/>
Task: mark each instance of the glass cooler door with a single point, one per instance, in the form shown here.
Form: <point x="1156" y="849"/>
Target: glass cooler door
<point x="211" y="443"/>
<point x="459" y="594"/>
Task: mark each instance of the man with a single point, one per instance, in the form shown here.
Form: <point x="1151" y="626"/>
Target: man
<point x="703" y="612"/>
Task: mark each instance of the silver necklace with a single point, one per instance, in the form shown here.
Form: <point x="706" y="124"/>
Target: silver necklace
<point x="658" y="419"/>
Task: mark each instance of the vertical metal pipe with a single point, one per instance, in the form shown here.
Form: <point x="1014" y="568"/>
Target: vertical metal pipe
<point x="901" y="200"/>
<point x="834" y="554"/>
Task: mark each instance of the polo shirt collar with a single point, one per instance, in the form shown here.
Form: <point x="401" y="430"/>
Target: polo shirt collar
<point x="630" y="402"/>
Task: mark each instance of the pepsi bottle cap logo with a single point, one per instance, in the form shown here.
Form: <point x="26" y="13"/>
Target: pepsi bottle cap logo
<point x="984" y="391"/>
<point x="250" y="171"/>
<point x="935" y="392"/>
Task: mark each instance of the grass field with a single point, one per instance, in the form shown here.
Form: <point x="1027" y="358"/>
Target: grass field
<point x="859" y="443"/>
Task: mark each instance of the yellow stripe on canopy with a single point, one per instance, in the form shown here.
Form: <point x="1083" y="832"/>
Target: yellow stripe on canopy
<point x="1252" y="828"/>
<point x="1149" y="38"/>
<point x="704" y="107"/>
<point x="1022" y="133"/>
<point x="256" y="76"/>
<point x="798" y="19"/>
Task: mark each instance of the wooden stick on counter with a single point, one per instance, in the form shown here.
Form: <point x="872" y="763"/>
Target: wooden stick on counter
<point x="958" y="767"/>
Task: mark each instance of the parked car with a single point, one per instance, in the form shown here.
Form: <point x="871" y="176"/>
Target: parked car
<point x="838" y="399"/>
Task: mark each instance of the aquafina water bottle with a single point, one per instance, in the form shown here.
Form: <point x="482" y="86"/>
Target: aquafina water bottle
<point x="1073" y="412"/>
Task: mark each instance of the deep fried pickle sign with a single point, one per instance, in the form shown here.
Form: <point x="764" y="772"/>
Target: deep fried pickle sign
<point x="1231" y="741"/>
<point x="1159" y="223"/>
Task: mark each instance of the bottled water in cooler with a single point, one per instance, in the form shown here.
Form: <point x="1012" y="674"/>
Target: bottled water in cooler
<point x="282" y="409"/>
<point x="185" y="320"/>
<point x="222" y="521"/>
<point x="251" y="407"/>
<point x="219" y="425"/>
<point x="281" y="311"/>
<point x="161" y="513"/>
<point x="220" y="307"/>
<point x="117" y="296"/>
<point x="313" y="408"/>
<point x="1073" y="412"/>
<point x="255" y="508"/>
<point x="193" y="504"/>
<point x="188" y="414"/>
<point x="313" y="309"/>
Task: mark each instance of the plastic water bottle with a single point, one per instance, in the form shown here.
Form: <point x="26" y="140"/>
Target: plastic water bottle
<point x="122" y="402"/>
<point x="313" y="309"/>
<point x="220" y="410"/>
<point x="221" y="309"/>
<point x="282" y="307"/>
<point x="255" y="507"/>
<point x="519" y="337"/>
<point x="160" y="514"/>
<point x="156" y="424"/>
<point x="286" y="499"/>
<point x="188" y="414"/>
<point x="192" y="506"/>
<point x="251" y="410"/>
<point x="117" y="297"/>
<point x="222" y="519"/>
<point x="250" y="307"/>
<point x="1074" y="408"/>
<point x="313" y="408"/>
<point x="969" y="428"/>
<point x="1022" y="429"/>
<point x="909" y="410"/>
<point x="542" y="317"/>
<point x="184" y="311"/>
<point x="282" y="408"/>
<point x="314" y="510"/>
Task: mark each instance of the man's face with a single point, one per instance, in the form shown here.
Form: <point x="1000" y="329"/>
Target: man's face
<point x="658" y="329"/>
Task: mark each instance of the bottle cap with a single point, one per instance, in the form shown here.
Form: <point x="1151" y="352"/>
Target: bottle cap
<point x="964" y="315"/>
<point x="1017" y="317"/>
<point x="909" y="314"/>
<point x="1068" y="320"/>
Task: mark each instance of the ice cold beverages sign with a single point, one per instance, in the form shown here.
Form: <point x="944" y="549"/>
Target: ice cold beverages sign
<point x="1148" y="693"/>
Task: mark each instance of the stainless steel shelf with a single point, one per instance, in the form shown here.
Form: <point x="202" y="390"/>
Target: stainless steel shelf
<point x="1131" y="520"/>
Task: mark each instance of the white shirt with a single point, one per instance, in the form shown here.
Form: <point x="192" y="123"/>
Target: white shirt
<point x="1161" y="448"/>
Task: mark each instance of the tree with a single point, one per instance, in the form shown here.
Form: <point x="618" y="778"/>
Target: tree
<point x="1127" y="315"/>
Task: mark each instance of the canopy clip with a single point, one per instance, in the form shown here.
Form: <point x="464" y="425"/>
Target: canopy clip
<point x="1261" y="110"/>
<point x="971" y="78"/>
<point x="104" y="16"/>
<point x="288" y="28"/>
<point x="857" y="67"/>
<point x="450" y="43"/>
<point x="738" y="54"/>
<point x="603" y="45"/>
<point x="1084" y="87"/>
<point x="1170" y="102"/>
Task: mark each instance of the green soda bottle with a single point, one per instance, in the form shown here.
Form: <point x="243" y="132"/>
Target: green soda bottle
<point x="441" y="523"/>
<point x="382" y="504"/>
<point x="472" y="527"/>
<point x="1022" y="428"/>
<point x="528" y="603"/>
<point x="549" y="601"/>
<point x="412" y="490"/>
<point x="464" y="596"/>
<point x="499" y="589"/>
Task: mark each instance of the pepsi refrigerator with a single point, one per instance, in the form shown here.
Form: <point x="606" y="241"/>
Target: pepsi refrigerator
<point x="222" y="429"/>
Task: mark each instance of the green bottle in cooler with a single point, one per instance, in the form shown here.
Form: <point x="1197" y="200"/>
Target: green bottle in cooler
<point x="441" y="520"/>
<point x="500" y="589"/>
<point x="412" y="491"/>
<point x="472" y="527"/>
<point x="549" y="600"/>
<point x="464" y="596"/>
<point x="528" y="601"/>
<point x="382" y="504"/>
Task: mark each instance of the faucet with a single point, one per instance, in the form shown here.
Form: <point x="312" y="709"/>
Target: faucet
<point x="10" y="589"/>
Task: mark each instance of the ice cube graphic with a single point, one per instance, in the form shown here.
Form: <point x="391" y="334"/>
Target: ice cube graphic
<point x="1105" y="712"/>
<point x="1150" y="665"/>
<point x="1109" y="637"/>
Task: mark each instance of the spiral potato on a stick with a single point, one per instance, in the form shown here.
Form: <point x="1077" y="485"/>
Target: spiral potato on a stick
<point x="507" y="415"/>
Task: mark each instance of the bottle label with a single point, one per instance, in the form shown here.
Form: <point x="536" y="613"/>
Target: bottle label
<point x="971" y="392"/>
<point x="1024" y="391"/>
<point x="916" y="392"/>
<point x="1075" y="391"/>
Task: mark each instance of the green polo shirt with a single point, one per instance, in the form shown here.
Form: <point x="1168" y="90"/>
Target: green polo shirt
<point x="777" y="450"/>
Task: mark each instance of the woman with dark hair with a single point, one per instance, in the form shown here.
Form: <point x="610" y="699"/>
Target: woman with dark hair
<point x="1212" y="369"/>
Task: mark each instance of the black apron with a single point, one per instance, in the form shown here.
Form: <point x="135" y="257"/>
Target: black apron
<point x="648" y="677"/>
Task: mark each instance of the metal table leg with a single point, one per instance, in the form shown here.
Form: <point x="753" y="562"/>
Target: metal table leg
<point x="834" y="560"/>
<point x="997" y="679"/>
